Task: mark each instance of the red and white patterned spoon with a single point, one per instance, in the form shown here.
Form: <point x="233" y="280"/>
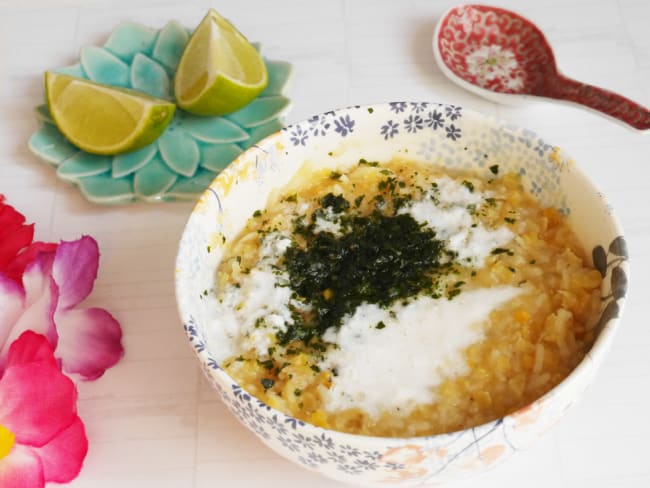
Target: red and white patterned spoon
<point x="495" y="52"/>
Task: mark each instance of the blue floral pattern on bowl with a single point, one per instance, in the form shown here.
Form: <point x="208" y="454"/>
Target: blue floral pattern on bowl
<point x="191" y="151"/>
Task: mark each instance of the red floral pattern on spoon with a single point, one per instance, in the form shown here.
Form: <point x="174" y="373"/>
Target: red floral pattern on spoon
<point x="500" y="51"/>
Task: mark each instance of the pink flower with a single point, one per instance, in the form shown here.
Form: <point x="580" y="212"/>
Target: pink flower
<point x="16" y="246"/>
<point x="41" y="436"/>
<point x="87" y="341"/>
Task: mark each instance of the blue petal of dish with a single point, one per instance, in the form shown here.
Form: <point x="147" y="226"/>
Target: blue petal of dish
<point x="216" y="157"/>
<point x="128" y="39"/>
<point x="190" y="188"/>
<point x="74" y="70"/>
<point x="153" y="179"/>
<point x="107" y="190"/>
<point x="179" y="151"/>
<point x="261" y="131"/>
<point x="43" y="114"/>
<point x="170" y="44"/>
<point x="149" y="77"/>
<point x="279" y="75"/>
<point x="127" y="163"/>
<point x="260" y="111"/>
<point x="103" y="67"/>
<point x="83" y="164"/>
<point x="214" y="129"/>
<point x="48" y="143"/>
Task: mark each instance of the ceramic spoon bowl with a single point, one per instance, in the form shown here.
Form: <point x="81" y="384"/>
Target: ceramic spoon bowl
<point x="498" y="55"/>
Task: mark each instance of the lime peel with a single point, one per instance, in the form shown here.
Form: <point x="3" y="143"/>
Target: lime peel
<point x="101" y="119"/>
<point x="220" y="71"/>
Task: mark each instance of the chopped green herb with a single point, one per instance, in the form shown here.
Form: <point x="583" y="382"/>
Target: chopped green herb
<point x="358" y="200"/>
<point x="512" y="270"/>
<point x="335" y="175"/>
<point x="315" y="368"/>
<point x="453" y="293"/>
<point x="495" y="169"/>
<point x="510" y="220"/>
<point x="532" y="261"/>
<point x="500" y="250"/>
<point x="297" y="392"/>
<point x="291" y="198"/>
<point x="469" y="185"/>
<point x="267" y="364"/>
<point x="267" y="383"/>
<point x="380" y="325"/>
<point x="337" y="203"/>
<point x="363" y="162"/>
<point x="257" y="213"/>
<point x="491" y="201"/>
<point x="209" y="249"/>
<point x="370" y="110"/>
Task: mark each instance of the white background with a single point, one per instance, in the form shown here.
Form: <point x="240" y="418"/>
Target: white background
<point x="152" y="420"/>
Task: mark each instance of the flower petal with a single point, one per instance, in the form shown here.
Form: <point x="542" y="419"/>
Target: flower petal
<point x="130" y="38"/>
<point x="153" y="179"/>
<point x="149" y="77"/>
<point x="89" y="341"/>
<point x="260" y="111"/>
<point x="63" y="456"/>
<point x="105" y="189"/>
<point x="75" y="269"/>
<point x="279" y="75"/>
<point x="83" y="164"/>
<point x="37" y="401"/>
<point x="21" y="468"/>
<point x="170" y="44"/>
<point x="216" y="157"/>
<point x="179" y="151"/>
<point x="12" y="297"/>
<point x="127" y="163"/>
<point x="189" y="188"/>
<point x="214" y="129"/>
<point x="20" y="237"/>
<point x="48" y="144"/>
<point x="31" y="347"/>
<point x="103" y="67"/>
<point x="16" y="268"/>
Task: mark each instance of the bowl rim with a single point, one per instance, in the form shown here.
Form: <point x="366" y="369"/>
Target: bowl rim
<point x="593" y="357"/>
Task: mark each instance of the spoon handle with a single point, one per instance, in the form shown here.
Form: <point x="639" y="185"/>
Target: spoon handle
<point x="599" y="99"/>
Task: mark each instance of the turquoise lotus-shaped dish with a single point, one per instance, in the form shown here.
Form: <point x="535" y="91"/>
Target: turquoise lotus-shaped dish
<point x="192" y="150"/>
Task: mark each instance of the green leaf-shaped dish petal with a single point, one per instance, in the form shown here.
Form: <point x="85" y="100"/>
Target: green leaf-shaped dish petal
<point x="129" y="39"/>
<point x="170" y="44"/>
<point x="48" y="144"/>
<point x="180" y="152"/>
<point x="81" y="165"/>
<point x="216" y="157"/>
<point x="104" y="67"/>
<point x="218" y="130"/>
<point x="260" y="111"/>
<point x="106" y="190"/>
<point x="152" y="180"/>
<point x="279" y="76"/>
<point x="188" y="188"/>
<point x="125" y="164"/>
<point x="149" y="77"/>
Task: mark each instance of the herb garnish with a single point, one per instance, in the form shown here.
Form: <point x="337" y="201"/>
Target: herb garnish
<point x="267" y="383"/>
<point x="380" y="259"/>
<point x="495" y="169"/>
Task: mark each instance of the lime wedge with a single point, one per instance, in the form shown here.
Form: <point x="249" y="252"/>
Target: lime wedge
<point x="104" y="120"/>
<point x="219" y="71"/>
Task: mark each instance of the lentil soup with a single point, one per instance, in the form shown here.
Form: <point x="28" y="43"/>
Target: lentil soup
<point x="400" y="299"/>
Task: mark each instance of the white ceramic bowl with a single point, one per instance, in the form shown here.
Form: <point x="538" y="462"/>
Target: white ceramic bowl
<point x="445" y="135"/>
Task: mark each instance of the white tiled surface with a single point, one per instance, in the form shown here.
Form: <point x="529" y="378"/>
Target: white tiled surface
<point x="152" y="420"/>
